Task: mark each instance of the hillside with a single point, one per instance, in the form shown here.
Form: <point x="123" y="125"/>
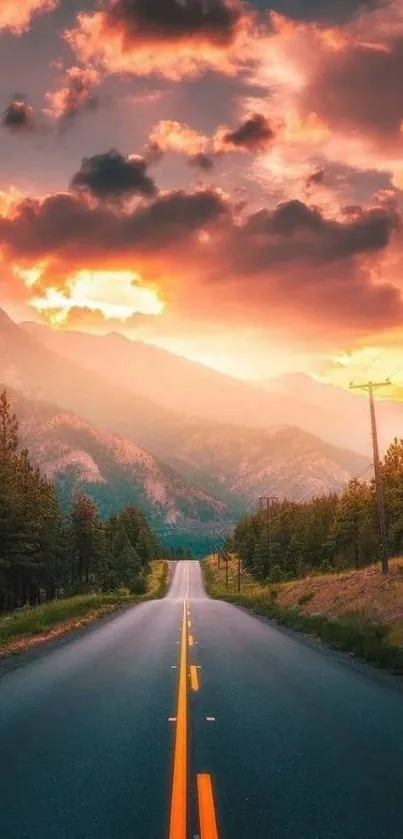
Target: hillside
<point x="112" y="470"/>
<point x="230" y="462"/>
<point x="189" y="388"/>
<point x="239" y="465"/>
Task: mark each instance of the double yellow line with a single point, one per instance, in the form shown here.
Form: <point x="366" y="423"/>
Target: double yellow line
<point x="178" y="818"/>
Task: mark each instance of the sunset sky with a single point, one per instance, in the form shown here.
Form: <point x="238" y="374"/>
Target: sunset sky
<point x="223" y="179"/>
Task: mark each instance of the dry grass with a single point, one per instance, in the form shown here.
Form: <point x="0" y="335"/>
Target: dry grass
<point x="366" y="592"/>
<point x="360" y="611"/>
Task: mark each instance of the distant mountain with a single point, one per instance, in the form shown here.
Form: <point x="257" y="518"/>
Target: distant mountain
<point x="109" y="468"/>
<point x="186" y="387"/>
<point x="29" y="366"/>
<point x="351" y="408"/>
<point x="230" y="462"/>
<point x="239" y="465"/>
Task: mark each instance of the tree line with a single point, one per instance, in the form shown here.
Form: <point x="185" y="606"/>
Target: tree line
<point x="327" y="533"/>
<point x="45" y="554"/>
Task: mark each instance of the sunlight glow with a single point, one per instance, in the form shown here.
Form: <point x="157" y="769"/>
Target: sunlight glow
<point x="114" y="294"/>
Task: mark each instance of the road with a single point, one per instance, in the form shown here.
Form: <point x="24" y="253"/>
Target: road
<point x="188" y="717"/>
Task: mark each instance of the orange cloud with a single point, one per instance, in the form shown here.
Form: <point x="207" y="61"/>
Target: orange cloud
<point x="16" y="15"/>
<point x="334" y="92"/>
<point x="293" y="270"/>
<point x="77" y="93"/>
<point x="163" y="37"/>
<point x="170" y="135"/>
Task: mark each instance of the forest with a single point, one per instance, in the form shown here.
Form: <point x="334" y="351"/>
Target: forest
<point x="46" y="554"/>
<point x="332" y="532"/>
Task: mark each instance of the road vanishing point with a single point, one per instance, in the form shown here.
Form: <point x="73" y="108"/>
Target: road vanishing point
<point x="188" y="717"/>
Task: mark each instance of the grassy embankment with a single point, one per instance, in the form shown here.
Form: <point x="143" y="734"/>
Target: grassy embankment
<point x="356" y="611"/>
<point x="27" y="627"/>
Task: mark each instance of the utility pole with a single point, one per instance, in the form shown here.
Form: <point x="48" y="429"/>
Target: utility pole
<point x="239" y="574"/>
<point x="370" y="387"/>
<point x="226" y="569"/>
<point x="265" y="502"/>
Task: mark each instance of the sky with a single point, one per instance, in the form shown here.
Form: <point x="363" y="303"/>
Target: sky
<point x="223" y="179"/>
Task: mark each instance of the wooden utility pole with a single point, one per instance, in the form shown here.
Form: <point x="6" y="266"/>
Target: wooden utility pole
<point x="370" y="387"/>
<point x="226" y="569"/>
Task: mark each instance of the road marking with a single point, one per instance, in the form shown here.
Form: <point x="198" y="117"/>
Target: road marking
<point x="178" y="821"/>
<point x="194" y="677"/>
<point x="207" y="816"/>
<point x="210" y="719"/>
<point x="187" y="580"/>
<point x="171" y="719"/>
<point x="191" y="642"/>
<point x="189" y="624"/>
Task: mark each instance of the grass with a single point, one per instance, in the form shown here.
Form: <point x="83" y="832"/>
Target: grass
<point x="29" y="626"/>
<point x="357" y="611"/>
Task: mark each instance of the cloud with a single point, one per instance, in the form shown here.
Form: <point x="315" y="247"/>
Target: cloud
<point x="18" y="117"/>
<point x="329" y="11"/>
<point x="113" y="177"/>
<point x="173" y="136"/>
<point x="66" y="230"/>
<point x="76" y="95"/>
<point x="16" y="15"/>
<point x="162" y="37"/>
<point x="355" y="88"/>
<point x="255" y="134"/>
<point x="292" y="269"/>
<point x="202" y="161"/>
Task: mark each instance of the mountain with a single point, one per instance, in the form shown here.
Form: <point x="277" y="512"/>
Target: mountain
<point x="238" y="465"/>
<point x="112" y="470"/>
<point x="351" y="408"/>
<point x="186" y="387"/>
<point x="233" y="463"/>
<point x="29" y="366"/>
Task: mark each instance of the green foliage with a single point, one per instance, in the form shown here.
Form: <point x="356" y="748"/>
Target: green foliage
<point x="45" y="555"/>
<point x="328" y="533"/>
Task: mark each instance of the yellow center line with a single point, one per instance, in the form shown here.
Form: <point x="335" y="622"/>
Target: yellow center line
<point x="194" y="677"/>
<point x="178" y="821"/>
<point x="207" y="816"/>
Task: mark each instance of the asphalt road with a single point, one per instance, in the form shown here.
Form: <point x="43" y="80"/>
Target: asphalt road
<point x="189" y="706"/>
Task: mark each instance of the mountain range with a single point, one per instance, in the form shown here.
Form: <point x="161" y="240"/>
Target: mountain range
<point x="188" y="469"/>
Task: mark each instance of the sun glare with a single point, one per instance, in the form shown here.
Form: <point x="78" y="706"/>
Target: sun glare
<point x="114" y="294"/>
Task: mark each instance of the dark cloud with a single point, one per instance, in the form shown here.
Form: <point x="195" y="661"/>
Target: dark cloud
<point x="297" y="232"/>
<point x="67" y="228"/>
<point x="357" y="89"/>
<point x="255" y="134"/>
<point x="329" y="11"/>
<point x="19" y="116"/>
<point x="202" y="161"/>
<point x="111" y="176"/>
<point x="170" y="20"/>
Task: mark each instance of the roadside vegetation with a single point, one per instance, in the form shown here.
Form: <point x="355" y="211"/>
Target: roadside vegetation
<point x="328" y="533"/>
<point x="31" y="625"/>
<point x="355" y="611"/>
<point x="60" y="571"/>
